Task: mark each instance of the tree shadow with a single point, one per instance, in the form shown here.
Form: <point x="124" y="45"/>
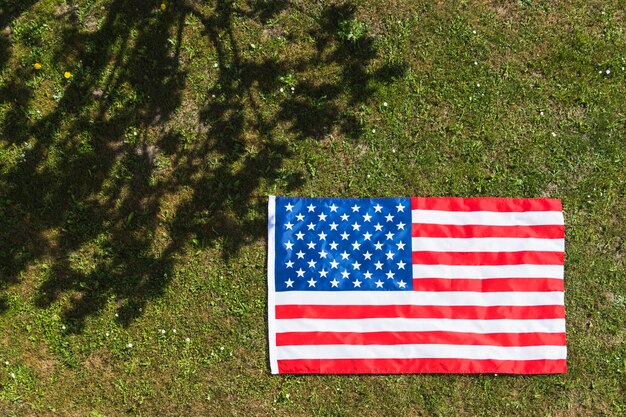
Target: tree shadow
<point x="111" y="191"/>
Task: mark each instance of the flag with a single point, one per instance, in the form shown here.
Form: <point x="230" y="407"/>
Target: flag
<point x="416" y="285"/>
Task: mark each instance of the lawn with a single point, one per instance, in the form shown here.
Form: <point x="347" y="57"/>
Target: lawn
<point x="139" y="141"/>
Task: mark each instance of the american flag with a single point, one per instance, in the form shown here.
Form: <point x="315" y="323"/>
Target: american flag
<point x="416" y="285"/>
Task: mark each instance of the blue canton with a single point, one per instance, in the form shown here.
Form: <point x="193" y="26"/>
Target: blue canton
<point x="326" y="244"/>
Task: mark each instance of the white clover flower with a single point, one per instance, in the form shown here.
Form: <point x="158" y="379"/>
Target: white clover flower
<point x="282" y="90"/>
<point x="540" y="113"/>
<point x="117" y="315"/>
<point x="130" y="345"/>
<point x="187" y="340"/>
<point x="221" y="347"/>
<point x="162" y="331"/>
<point x="553" y="135"/>
<point x="475" y="62"/>
<point x="12" y="375"/>
<point x="373" y="130"/>
<point x="6" y="363"/>
<point x="173" y="330"/>
<point x="107" y="334"/>
<point x="608" y="72"/>
<point x="215" y="65"/>
<point x="477" y="84"/>
<point x="385" y="104"/>
<point x="63" y="327"/>
<point x="474" y="32"/>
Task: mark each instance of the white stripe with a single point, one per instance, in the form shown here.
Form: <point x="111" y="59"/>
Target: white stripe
<point x="491" y="218"/>
<point x="421" y="351"/>
<point x="271" y="309"/>
<point x="419" y="298"/>
<point x="486" y="244"/>
<point x="488" y="271"/>
<point x="421" y="325"/>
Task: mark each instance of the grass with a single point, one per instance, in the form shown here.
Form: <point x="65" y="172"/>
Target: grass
<point x="133" y="193"/>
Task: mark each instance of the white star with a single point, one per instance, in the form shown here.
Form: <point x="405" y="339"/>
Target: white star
<point x="300" y="235"/>
<point x="355" y="208"/>
<point x="289" y="264"/>
<point x="357" y="283"/>
<point x="344" y="217"/>
<point x="400" y="208"/>
<point x="334" y="264"/>
<point x="289" y="207"/>
<point x="311" y="245"/>
<point x="333" y="226"/>
<point x="323" y="273"/>
<point x="378" y="245"/>
<point x="389" y="236"/>
<point x="312" y="282"/>
<point x="322" y="236"/>
<point x="378" y="265"/>
<point x="289" y="282"/>
<point x="378" y="208"/>
<point x="402" y="284"/>
<point x="311" y="207"/>
<point x="390" y="255"/>
<point x="356" y="265"/>
<point x="367" y="255"/>
<point x="300" y="272"/>
<point x="366" y="217"/>
<point x="322" y="217"/>
<point x="289" y="245"/>
<point x="312" y="263"/>
<point x="311" y="226"/>
<point x="378" y="227"/>
<point x="334" y="283"/>
<point x="356" y="226"/>
<point x="368" y="275"/>
<point x="333" y="208"/>
<point x="379" y="284"/>
<point x="300" y="217"/>
<point x="400" y="226"/>
<point x="345" y="274"/>
<point x="400" y="245"/>
<point x="401" y="265"/>
<point x="323" y="254"/>
<point x="367" y="236"/>
<point x="356" y="246"/>
<point x="345" y="255"/>
<point x="344" y="236"/>
<point x="333" y="246"/>
<point x="300" y="255"/>
<point x="390" y="275"/>
<point x="288" y="226"/>
<point x="389" y="217"/>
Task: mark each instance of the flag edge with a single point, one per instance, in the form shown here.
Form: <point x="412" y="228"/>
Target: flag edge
<point x="271" y="302"/>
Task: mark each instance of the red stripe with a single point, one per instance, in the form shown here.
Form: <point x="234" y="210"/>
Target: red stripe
<point x="415" y="338"/>
<point x="486" y="204"/>
<point x="413" y="311"/>
<point x="489" y="285"/>
<point x="404" y="366"/>
<point x="469" y="231"/>
<point x="488" y="258"/>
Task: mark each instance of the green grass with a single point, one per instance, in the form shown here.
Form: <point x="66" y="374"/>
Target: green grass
<point x="133" y="194"/>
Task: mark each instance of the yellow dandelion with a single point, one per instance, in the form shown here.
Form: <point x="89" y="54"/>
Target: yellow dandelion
<point x="37" y="65"/>
<point x="163" y="6"/>
<point x="67" y="74"/>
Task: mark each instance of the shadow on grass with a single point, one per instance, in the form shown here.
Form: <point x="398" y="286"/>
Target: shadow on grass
<point x="93" y="204"/>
